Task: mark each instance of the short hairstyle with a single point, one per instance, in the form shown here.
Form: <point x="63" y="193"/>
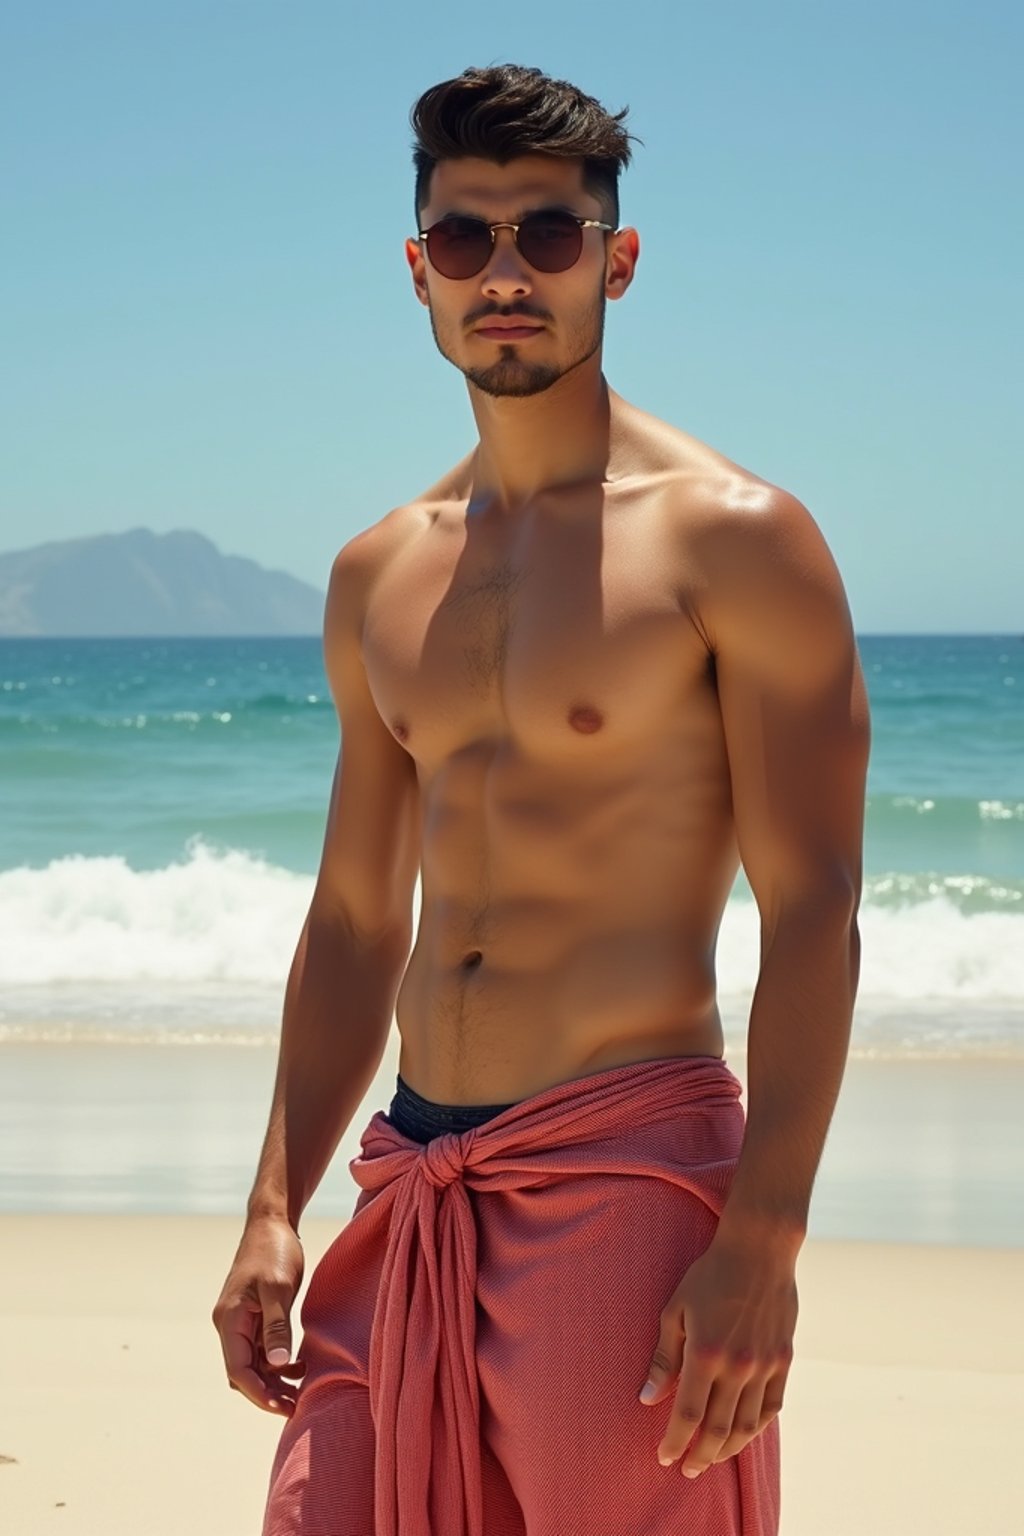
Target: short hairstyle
<point x="509" y="110"/>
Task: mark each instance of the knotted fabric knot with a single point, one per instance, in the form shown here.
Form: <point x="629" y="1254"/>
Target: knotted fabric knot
<point x="444" y="1159"/>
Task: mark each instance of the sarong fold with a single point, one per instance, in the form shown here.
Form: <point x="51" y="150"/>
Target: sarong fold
<point x="491" y="1309"/>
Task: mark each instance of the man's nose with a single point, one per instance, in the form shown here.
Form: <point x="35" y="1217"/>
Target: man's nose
<point x="506" y="273"/>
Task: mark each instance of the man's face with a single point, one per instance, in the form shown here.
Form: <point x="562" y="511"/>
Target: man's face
<point x="562" y="313"/>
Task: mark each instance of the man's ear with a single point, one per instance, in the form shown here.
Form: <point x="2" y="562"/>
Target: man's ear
<point x="623" y="255"/>
<point x="418" y="266"/>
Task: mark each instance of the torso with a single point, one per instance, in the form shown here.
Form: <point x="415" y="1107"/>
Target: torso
<point x="549" y="677"/>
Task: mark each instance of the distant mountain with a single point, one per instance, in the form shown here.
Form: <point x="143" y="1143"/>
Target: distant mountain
<point x="144" y="583"/>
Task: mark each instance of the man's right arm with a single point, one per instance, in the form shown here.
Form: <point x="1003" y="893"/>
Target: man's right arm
<point x="340" y="994"/>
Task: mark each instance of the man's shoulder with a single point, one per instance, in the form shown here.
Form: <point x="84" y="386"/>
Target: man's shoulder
<point x="735" y="515"/>
<point x="361" y="560"/>
<point x="705" y="493"/>
<point x="363" y="556"/>
<point x="767" y="579"/>
<point x="749" y="549"/>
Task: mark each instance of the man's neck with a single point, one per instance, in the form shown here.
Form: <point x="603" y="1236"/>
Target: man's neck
<point x="537" y="443"/>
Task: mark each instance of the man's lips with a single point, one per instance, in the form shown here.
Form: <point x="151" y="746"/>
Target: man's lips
<point x="503" y="330"/>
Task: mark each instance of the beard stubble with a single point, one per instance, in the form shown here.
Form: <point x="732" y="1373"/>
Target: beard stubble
<point x="511" y="376"/>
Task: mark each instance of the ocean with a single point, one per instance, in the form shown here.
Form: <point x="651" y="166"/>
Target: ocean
<point x="163" y="811"/>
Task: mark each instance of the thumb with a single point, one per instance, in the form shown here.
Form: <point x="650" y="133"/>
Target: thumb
<point x="666" y="1363"/>
<point x="277" y="1331"/>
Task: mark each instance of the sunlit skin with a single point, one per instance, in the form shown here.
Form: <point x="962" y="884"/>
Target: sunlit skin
<point x="578" y="680"/>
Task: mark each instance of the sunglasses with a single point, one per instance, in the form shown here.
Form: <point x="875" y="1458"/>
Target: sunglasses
<point x="549" y="239"/>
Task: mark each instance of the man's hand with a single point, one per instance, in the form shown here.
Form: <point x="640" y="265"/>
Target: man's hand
<point x="728" y="1326"/>
<point x="252" y="1314"/>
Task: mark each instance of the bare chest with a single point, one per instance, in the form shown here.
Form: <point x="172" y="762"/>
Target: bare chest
<point x="568" y="636"/>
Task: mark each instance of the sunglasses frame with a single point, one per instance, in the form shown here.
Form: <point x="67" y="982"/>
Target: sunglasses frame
<point x="535" y="213"/>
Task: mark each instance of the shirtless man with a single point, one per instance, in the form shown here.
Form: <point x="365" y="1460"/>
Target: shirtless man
<point x="579" y="680"/>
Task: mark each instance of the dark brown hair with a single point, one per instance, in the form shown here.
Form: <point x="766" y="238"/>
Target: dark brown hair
<point x="509" y="110"/>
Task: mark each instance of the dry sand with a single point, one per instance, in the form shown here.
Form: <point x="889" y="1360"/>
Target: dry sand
<point x="903" y="1414"/>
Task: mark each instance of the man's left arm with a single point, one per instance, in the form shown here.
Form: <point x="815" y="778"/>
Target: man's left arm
<point x="795" y="717"/>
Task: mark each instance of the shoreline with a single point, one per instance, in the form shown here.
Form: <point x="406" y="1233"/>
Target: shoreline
<point x="923" y="1151"/>
<point x="908" y="1377"/>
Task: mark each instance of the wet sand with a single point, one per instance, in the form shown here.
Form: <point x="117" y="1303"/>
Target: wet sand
<point x="920" y="1150"/>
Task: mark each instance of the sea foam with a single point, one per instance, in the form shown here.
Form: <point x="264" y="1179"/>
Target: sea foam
<point x="224" y="915"/>
<point x="217" y="915"/>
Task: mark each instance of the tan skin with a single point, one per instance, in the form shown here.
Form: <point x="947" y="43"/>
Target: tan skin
<point x="579" y="680"/>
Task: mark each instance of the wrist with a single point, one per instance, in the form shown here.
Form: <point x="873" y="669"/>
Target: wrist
<point x="262" y="1210"/>
<point x="762" y="1230"/>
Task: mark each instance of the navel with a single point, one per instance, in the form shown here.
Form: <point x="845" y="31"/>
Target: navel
<point x="472" y="960"/>
<point x="585" y="719"/>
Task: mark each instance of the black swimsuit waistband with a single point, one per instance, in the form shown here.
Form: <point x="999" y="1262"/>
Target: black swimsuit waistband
<point x="421" y="1119"/>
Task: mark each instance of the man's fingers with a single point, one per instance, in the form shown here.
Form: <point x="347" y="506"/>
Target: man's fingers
<point x="275" y="1303"/>
<point x="245" y="1330"/>
<point x="236" y="1328"/>
<point x="252" y="1315"/>
<point x="716" y="1427"/>
<point x="237" y="1345"/>
<point x="667" y="1357"/>
<point x="748" y="1420"/>
<point x="691" y="1400"/>
<point x="270" y="1399"/>
<point x="731" y="1420"/>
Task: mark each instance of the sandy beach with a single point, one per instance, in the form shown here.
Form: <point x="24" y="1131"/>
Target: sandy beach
<point x="902" y="1415"/>
<point x="120" y="1167"/>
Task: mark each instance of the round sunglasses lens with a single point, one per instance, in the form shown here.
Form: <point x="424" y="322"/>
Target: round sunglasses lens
<point x="551" y="242"/>
<point x="459" y="247"/>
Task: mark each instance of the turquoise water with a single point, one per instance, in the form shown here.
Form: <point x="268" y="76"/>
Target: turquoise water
<point x="165" y="801"/>
<point x="133" y="747"/>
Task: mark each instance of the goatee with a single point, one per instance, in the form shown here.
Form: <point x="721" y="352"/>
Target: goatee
<point x="511" y="376"/>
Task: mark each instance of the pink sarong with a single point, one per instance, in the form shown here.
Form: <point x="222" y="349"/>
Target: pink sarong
<point x="477" y="1335"/>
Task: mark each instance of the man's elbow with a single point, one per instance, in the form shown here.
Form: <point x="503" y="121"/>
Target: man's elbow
<point x="383" y="929"/>
<point x="823" y="899"/>
<point x="842" y="894"/>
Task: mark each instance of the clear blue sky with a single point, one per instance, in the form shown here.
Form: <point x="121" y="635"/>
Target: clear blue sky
<point x="207" y="320"/>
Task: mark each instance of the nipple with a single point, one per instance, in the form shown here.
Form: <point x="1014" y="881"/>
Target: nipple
<point x="585" y="719"/>
<point x="400" y="729"/>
